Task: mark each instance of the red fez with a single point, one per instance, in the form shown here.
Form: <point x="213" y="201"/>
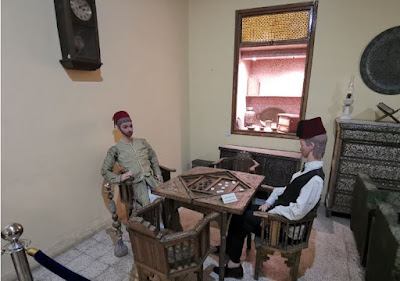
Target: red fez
<point x="310" y="128"/>
<point x="121" y="117"/>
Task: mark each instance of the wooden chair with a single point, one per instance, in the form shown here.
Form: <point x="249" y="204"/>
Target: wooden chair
<point x="164" y="253"/>
<point x="242" y="162"/>
<point x="127" y="194"/>
<point x="288" y="237"/>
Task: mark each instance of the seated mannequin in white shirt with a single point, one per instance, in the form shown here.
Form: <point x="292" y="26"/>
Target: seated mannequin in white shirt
<point x="293" y="202"/>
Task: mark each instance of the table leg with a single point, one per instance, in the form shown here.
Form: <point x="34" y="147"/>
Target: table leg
<point x="171" y="216"/>
<point x="222" y="249"/>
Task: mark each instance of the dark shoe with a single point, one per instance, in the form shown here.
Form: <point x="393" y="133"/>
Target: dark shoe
<point x="236" y="272"/>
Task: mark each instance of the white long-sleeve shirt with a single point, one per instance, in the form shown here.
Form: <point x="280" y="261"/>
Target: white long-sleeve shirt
<point x="309" y="195"/>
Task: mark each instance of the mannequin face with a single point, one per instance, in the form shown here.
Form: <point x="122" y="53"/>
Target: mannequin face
<point x="126" y="129"/>
<point x="305" y="149"/>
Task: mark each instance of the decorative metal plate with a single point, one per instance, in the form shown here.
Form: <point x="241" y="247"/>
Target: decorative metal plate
<point x="380" y="63"/>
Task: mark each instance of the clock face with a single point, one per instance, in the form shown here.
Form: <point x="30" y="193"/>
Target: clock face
<point x="81" y="9"/>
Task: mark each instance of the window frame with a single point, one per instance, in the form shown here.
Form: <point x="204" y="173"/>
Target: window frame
<point x="309" y="6"/>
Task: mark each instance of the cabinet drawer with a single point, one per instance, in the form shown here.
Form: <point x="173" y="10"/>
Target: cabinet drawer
<point x="375" y="169"/>
<point x="387" y="134"/>
<point x="370" y="151"/>
<point x="345" y="183"/>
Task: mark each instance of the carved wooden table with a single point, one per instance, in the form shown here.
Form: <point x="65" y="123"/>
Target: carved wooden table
<point x="200" y="189"/>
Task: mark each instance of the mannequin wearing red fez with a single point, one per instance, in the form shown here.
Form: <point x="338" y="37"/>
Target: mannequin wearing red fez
<point x="136" y="157"/>
<point x="294" y="201"/>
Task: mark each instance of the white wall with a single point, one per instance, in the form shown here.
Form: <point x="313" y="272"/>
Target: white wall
<point x="56" y="124"/>
<point x="344" y="28"/>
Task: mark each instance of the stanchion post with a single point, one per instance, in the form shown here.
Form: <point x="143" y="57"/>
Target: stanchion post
<point x="17" y="248"/>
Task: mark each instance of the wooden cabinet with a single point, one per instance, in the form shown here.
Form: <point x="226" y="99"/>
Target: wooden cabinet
<point x="368" y="147"/>
<point x="277" y="166"/>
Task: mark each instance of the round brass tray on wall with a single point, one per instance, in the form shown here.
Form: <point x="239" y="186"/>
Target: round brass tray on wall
<point x="380" y="63"/>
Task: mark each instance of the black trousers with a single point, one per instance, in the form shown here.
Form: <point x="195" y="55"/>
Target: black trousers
<point x="239" y="227"/>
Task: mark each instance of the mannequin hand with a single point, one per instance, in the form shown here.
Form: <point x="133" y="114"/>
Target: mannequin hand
<point x="126" y="176"/>
<point x="160" y="178"/>
<point x="264" y="207"/>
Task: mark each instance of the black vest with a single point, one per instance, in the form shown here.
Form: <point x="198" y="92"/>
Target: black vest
<point x="292" y="191"/>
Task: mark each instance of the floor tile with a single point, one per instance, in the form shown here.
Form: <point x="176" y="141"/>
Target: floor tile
<point x="109" y="259"/>
<point x="88" y="243"/>
<point x="110" y="274"/>
<point x="124" y="264"/>
<point x="81" y="262"/>
<point x="102" y="236"/>
<point x="94" y="270"/>
<point x="98" y="250"/>
<point x="68" y="256"/>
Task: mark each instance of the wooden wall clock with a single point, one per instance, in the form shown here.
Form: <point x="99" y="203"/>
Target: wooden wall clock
<point x="78" y="33"/>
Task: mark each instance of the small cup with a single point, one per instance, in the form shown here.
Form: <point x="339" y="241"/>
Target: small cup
<point x="268" y="125"/>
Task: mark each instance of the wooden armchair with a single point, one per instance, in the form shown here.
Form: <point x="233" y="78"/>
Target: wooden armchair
<point x="279" y="234"/>
<point x="127" y="194"/>
<point x="164" y="253"/>
<point x="242" y="162"/>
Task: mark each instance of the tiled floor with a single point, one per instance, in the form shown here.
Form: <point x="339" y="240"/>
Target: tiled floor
<point x="94" y="259"/>
<point x="331" y="256"/>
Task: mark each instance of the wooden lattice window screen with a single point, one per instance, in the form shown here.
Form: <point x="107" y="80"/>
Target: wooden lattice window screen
<point x="276" y="27"/>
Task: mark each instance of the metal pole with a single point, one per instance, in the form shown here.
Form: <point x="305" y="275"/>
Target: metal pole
<point x="17" y="248"/>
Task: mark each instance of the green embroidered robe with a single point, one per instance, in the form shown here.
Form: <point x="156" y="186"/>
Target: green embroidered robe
<point x="137" y="157"/>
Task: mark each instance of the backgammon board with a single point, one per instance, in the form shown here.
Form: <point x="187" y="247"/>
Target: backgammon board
<point x="214" y="184"/>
